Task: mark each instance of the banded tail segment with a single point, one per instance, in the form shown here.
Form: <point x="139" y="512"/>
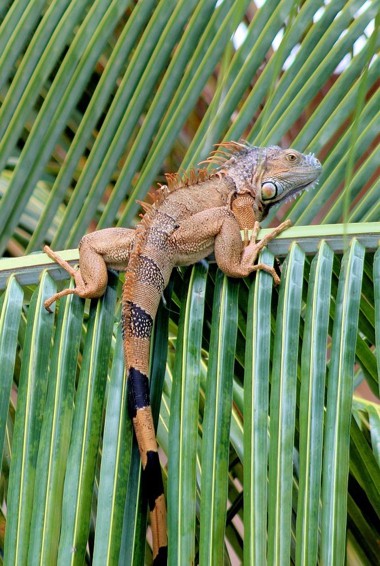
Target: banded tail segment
<point x="141" y="297"/>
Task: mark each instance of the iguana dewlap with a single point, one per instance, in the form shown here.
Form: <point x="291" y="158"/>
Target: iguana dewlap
<point x="189" y="219"/>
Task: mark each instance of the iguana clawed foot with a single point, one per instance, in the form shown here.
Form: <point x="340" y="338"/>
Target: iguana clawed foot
<point x="253" y="249"/>
<point x="73" y="272"/>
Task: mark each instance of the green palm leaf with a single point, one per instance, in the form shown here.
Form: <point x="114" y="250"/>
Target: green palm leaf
<point x="31" y="400"/>
<point x="122" y="77"/>
<point x="216" y="422"/>
<point x="55" y="435"/>
<point x="278" y="405"/>
<point x="97" y="101"/>
<point x="311" y="417"/>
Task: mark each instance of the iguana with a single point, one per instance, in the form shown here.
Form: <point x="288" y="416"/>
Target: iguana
<point x="189" y="218"/>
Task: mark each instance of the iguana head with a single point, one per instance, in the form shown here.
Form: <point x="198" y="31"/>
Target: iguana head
<point x="269" y="174"/>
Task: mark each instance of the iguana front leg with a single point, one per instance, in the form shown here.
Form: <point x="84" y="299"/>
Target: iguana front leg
<point x="235" y="260"/>
<point x="253" y="249"/>
<point x="108" y="248"/>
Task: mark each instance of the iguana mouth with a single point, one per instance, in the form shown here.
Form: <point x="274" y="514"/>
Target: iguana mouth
<point x="307" y="186"/>
<point x="292" y="194"/>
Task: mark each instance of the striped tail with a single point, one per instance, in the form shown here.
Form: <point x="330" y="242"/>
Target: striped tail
<point x="140" y="302"/>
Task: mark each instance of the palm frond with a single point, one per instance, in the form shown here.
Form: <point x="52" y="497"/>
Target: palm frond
<point x="270" y="457"/>
<point x="315" y="483"/>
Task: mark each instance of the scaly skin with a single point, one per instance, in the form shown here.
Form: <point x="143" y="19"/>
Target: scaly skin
<point x="188" y="220"/>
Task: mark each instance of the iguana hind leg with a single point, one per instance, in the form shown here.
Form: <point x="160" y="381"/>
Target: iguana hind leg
<point x="108" y="248"/>
<point x="76" y="274"/>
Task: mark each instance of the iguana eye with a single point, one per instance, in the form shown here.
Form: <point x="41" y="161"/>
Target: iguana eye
<point x="268" y="190"/>
<point x="291" y="157"/>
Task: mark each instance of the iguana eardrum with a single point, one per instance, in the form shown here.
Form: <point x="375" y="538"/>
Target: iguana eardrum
<point x="189" y="219"/>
